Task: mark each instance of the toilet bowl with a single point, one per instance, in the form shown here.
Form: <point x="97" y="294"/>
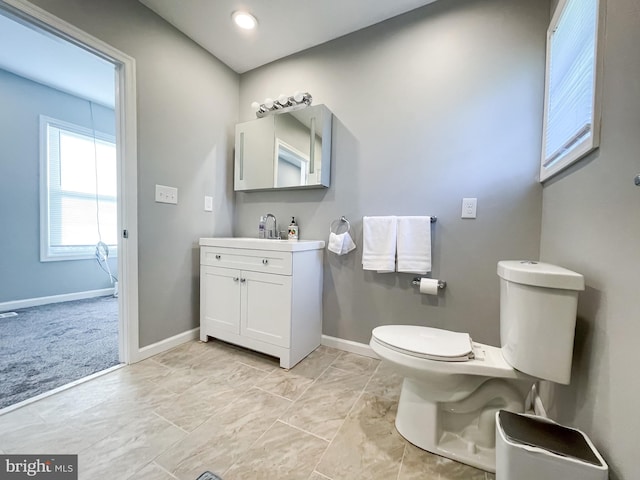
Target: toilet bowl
<point x="447" y="403"/>
<point x="453" y="386"/>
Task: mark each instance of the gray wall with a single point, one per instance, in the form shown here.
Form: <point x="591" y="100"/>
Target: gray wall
<point x="187" y="107"/>
<point x="430" y="107"/>
<point x="591" y="224"/>
<point x="22" y="275"/>
<point x="438" y="104"/>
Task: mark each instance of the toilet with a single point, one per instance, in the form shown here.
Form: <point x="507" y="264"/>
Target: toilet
<point x="453" y="386"/>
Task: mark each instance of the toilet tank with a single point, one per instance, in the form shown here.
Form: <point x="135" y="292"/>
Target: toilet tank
<point x="538" y="306"/>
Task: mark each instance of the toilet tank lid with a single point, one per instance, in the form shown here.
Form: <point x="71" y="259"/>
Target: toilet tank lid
<point x="540" y="274"/>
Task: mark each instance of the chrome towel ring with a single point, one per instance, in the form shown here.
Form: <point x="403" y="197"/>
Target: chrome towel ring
<point x="339" y="223"/>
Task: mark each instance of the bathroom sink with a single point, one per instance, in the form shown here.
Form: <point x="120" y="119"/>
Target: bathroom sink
<point x="263" y="244"/>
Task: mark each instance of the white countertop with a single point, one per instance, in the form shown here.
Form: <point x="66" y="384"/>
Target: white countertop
<point x="263" y="244"/>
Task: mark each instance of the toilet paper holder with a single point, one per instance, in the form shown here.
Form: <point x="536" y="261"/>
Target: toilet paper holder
<point x="441" y="283"/>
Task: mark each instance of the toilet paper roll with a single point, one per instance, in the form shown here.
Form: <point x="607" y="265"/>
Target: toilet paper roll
<point x="429" y="286"/>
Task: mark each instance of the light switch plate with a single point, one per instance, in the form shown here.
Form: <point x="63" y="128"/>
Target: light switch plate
<point x="469" y="207"/>
<point x="166" y="194"/>
<point x="208" y="203"/>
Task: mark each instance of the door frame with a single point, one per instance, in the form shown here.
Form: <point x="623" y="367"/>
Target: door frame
<point x="126" y="147"/>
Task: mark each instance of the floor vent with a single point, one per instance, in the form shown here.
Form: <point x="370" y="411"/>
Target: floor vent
<point x="8" y="314"/>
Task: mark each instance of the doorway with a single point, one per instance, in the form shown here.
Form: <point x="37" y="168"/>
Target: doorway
<point x="86" y="263"/>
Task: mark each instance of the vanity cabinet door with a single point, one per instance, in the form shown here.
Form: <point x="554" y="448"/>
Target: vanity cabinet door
<point x="266" y="307"/>
<point x="220" y="299"/>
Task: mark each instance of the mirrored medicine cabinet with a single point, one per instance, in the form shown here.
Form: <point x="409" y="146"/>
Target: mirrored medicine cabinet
<point x="289" y="150"/>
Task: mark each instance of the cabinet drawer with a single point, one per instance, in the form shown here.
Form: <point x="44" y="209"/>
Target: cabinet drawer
<point x="244" y="259"/>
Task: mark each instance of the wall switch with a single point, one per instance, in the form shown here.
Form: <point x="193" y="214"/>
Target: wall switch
<point x="469" y="206"/>
<point x="166" y="194"/>
<point x="208" y="203"/>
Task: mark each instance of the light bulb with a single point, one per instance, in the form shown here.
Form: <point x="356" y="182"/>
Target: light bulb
<point x="255" y="105"/>
<point x="283" y="100"/>
<point x="298" y="97"/>
<point x="244" y="20"/>
<point x="268" y="103"/>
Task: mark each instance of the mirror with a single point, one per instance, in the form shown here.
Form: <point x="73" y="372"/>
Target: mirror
<point x="289" y="150"/>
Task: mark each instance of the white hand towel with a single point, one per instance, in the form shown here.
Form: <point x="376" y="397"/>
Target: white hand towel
<point x="347" y="244"/>
<point x="335" y="243"/>
<point x="414" y="244"/>
<point x="379" y="243"/>
<point x="341" y="243"/>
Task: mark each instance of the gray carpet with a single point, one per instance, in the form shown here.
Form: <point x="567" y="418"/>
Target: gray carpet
<point x="49" y="346"/>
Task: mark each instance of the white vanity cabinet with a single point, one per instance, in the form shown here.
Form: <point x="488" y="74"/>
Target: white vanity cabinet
<point x="265" y="295"/>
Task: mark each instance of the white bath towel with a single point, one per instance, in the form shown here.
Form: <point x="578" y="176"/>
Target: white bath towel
<point x="379" y="244"/>
<point x="414" y="244"/>
<point x="340" y="243"/>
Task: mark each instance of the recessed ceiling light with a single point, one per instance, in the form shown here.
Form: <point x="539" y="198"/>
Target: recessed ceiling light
<point x="244" y="20"/>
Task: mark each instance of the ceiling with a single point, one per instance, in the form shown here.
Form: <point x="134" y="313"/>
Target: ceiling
<point x="284" y="26"/>
<point x="54" y="62"/>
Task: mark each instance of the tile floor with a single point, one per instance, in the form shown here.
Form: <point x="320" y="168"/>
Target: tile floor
<point x="211" y="406"/>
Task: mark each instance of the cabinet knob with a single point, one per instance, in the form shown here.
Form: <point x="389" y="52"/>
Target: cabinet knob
<point x="218" y="257"/>
<point x="265" y="261"/>
<point x="242" y="280"/>
<point x="235" y="279"/>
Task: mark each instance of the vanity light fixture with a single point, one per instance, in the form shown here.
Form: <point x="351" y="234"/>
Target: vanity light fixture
<point x="244" y="20"/>
<point x="282" y="104"/>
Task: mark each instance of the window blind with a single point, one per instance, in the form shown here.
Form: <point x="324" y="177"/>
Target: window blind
<point x="82" y="195"/>
<point x="571" y="79"/>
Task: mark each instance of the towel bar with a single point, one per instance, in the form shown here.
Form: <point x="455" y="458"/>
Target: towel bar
<point x="433" y="218"/>
<point x="441" y="283"/>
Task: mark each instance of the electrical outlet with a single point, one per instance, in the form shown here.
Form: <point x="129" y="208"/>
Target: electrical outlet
<point x="469" y="206"/>
<point x="166" y="194"/>
<point x="208" y="203"/>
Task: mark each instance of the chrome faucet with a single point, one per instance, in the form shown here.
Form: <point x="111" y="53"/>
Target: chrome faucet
<point x="271" y="233"/>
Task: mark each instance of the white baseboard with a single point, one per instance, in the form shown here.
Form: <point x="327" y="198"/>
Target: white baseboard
<point x="66" y="297"/>
<point x="176" y="340"/>
<point x="166" y="344"/>
<point x="348" y="346"/>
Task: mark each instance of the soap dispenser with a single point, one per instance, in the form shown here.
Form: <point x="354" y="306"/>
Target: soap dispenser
<point x="262" y="227"/>
<point x="293" y="230"/>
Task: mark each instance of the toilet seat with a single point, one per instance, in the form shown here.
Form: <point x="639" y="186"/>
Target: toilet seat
<point x="426" y="342"/>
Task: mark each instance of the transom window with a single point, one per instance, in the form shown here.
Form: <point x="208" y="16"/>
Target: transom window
<point x="571" y="109"/>
<point x="78" y="191"/>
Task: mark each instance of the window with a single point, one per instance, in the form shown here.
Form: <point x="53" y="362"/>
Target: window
<point x="78" y="191"/>
<point x="571" y="108"/>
